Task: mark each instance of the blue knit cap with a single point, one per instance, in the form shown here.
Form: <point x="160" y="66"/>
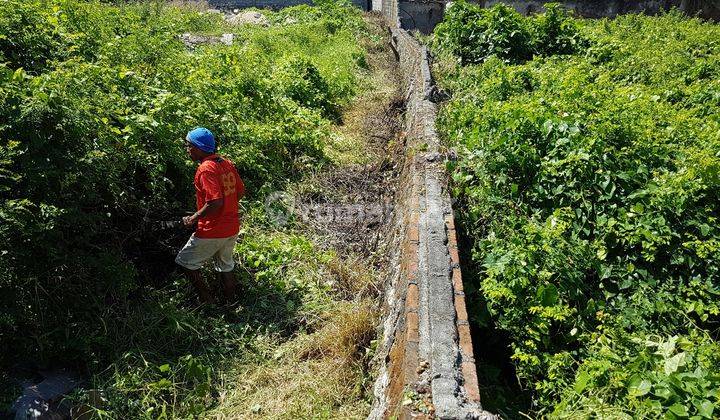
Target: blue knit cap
<point x="202" y="138"/>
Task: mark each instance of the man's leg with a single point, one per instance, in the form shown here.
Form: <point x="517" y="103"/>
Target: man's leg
<point x="195" y="278"/>
<point x="191" y="258"/>
<point x="225" y="263"/>
<point x="229" y="284"/>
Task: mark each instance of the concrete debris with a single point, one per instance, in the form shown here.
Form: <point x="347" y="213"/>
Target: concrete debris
<point x="193" y="40"/>
<point x="433" y="156"/>
<point x="227" y="39"/>
<point x="248" y="18"/>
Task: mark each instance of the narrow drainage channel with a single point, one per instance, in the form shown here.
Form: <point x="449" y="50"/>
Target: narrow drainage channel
<point x="500" y="390"/>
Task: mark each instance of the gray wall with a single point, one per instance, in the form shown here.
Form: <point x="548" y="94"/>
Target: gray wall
<point x="709" y="9"/>
<point x="423" y="15"/>
<point x="420" y="15"/>
<point x="275" y="4"/>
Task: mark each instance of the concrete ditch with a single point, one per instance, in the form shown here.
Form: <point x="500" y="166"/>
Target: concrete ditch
<point x="426" y="355"/>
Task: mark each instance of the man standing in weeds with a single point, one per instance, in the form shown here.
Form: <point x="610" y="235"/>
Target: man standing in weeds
<point x="218" y="188"/>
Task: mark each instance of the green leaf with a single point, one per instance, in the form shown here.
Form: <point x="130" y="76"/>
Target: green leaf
<point x="581" y="381"/>
<point x="705" y="409"/>
<point x="161" y="384"/>
<point x="548" y="294"/>
<point x="679" y="410"/>
<point x="638" y="386"/>
<point x="665" y="349"/>
<point x="18" y="75"/>
<point x="662" y="391"/>
<point x="704" y="229"/>
<point x="638" y="208"/>
<point x="672" y="364"/>
<point x="164" y="368"/>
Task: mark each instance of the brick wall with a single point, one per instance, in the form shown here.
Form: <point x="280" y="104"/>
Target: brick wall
<point x="426" y="352"/>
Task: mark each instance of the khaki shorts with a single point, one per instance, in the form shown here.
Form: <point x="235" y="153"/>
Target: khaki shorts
<point x="198" y="250"/>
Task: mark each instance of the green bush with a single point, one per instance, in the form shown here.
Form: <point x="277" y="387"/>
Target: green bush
<point x="556" y="32"/>
<point x="300" y="80"/>
<point x="95" y="100"/>
<point x="589" y="184"/>
<point x="473" y="33"/>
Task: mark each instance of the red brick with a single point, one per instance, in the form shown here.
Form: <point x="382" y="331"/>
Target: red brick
<point x="472" y="390"/>
<point x="414" y="216"/>
<point x="457" y="280"/>
<point x="410" y="364"/>
<point x="450" y="221"/>
<point x="413" y="232"/>
<point x="412" y="249"/>
<point x="412" y="329"/>
<point x="465" y="341"/>
<point x="460" y="308"/>
<point x="454" y="256"/>
<point x="412" y="268"/>
<point x="452" y="239"/>
<point x="414" y="195"/>
<point x="413" y="298"/>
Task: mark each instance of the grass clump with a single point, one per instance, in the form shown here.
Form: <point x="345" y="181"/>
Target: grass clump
<point x="588" y="184"/>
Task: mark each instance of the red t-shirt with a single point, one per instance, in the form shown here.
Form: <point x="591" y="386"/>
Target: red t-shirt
<point x="215" y="178"/>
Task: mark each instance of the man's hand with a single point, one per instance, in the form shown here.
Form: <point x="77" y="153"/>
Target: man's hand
<point x="189" y="221"/>
<point x="210" y="208"/>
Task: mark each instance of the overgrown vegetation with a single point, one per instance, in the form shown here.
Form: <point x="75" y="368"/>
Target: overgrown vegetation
<point x="472" y="34"/>
<point x="589" y="184"/>
<point x="95" y="100"/>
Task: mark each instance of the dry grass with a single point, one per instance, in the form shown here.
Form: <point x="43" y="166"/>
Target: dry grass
<point x="351" y="283"/>
<point x="319" y="375"/>
<point x="346" y="335"/>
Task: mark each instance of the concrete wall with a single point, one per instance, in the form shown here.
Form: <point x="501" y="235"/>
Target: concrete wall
<point x="275" y="4"/>
<point x="709" y="9"/>
<point x="420" y="15"/>
<point x="413" y="15"/>
<point x="423" y="15"/>
<point x="426" y="351"/>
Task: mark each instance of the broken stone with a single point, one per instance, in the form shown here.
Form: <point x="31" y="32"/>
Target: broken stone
<point x="193" y="40"/>
<point x="249" y="18"/>
<point x="227" y="39"/>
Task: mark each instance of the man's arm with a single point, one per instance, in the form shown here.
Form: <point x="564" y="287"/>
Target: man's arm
<point x="210" y="208"/>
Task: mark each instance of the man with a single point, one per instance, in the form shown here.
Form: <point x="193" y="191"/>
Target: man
<point x="218" y="188"/>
